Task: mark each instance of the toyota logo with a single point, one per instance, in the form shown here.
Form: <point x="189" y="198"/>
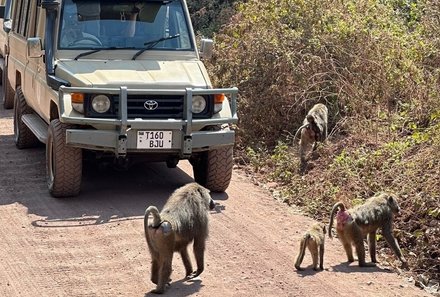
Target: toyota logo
<point x="151" y="105"/>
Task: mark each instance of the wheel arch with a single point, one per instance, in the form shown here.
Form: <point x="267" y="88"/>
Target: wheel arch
<point x="53" y="113"/>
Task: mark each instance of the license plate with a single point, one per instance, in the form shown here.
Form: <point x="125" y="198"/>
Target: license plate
<point x="154" y="139"/>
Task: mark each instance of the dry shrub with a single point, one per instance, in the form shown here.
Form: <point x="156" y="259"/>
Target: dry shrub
<point x="209" y="16"/>
<point x="358" y="57"/>
<point x="376" y="65"/>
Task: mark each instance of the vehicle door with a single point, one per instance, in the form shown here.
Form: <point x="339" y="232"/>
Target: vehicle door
<point x="34" y="67"/>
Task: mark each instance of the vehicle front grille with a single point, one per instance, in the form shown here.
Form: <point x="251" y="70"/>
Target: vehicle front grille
<point x="165" y="107"/>
<point x="168" y="106"/>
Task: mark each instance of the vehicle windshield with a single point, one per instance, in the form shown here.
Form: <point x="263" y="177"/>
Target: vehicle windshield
<point x="123" y="24"/>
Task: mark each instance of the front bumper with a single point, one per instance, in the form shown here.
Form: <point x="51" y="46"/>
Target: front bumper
<point x="120" y="134"/>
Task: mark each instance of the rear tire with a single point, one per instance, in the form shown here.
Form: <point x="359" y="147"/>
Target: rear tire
<point x="63" y="163"/>
<point x="213" y="169"/>
<point x="23" y="136"/>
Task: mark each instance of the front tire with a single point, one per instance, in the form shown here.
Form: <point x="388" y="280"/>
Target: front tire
<point x="63" y="163"/>
<point x="23" y="136"/>
<point x="213" y="169"/>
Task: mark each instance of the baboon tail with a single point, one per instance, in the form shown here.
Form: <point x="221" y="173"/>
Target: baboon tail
<point x="156" y="217"/>
<point x="299" y="130"/>
<point x="302" y="251"/>
<point x="341" y="207"/>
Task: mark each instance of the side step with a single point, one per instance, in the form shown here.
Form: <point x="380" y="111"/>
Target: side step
<point x="36" y="125"/>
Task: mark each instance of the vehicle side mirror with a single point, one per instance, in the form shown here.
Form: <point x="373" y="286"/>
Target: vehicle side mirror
<point x="206" y="48"/>
<point x="34" y="47"/>
<point x="7" y="26"/>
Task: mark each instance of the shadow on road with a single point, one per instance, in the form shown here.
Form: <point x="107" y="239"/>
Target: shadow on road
<point x="347" y="267"/>
<point x="181" y="288"/>
<point x="344" y="267"/>
<point x="107" y="194"/>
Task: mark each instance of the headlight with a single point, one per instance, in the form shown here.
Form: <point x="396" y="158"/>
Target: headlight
<point x="101" y="103"/>
<point x="198" y="104"/>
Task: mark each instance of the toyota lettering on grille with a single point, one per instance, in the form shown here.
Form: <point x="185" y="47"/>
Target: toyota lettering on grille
<point x="151" y="105"/>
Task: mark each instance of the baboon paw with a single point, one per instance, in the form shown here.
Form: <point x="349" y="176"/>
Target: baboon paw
<point x="193" y="275"/>
<point x="158" y="291"/>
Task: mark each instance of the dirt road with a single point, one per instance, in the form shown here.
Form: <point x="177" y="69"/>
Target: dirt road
<point x="93" y="245"/>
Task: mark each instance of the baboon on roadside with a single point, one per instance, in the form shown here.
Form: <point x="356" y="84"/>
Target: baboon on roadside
<point x="184" y="218"/>
<point x="313" y="130"/>
<point x="355" y="224"/>
<point x="312" y="239"/>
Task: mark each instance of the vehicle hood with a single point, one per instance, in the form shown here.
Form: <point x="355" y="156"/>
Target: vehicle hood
<point x="133" y="74"/>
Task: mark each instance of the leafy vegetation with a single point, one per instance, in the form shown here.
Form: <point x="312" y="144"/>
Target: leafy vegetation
<point x="375" y="64"/>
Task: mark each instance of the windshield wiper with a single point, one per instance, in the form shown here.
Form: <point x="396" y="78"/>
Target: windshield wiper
<point x="87" y="53"/>
<point x="100" y="49"/>
<point x="153" y="43"/>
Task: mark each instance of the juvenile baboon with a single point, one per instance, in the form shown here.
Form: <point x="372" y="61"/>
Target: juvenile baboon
<point x="313" y="130"/>
<point x="312" y="239"/>
<point x="355" y="224"/>
<point x="184" y="218"/>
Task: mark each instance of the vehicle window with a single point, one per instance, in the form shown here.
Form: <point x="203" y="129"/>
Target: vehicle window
<point x="17" y="15"/>
<point x="23" y="18"/>
<point x="101" y="24"/>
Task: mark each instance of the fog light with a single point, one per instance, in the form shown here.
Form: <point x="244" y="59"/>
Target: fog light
<point x="101" y="103"/>
<point x="198" y="104"/>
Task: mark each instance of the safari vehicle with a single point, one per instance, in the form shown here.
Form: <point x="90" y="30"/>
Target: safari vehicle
<point x="5" y="26"/>
<point x="120" y="79"/>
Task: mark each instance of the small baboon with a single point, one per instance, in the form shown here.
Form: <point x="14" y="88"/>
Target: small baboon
<point x="355" y="224"/>
<point x="312" y="239"/>
<point x="313" y="130"/>
<point x="184" y="218"/>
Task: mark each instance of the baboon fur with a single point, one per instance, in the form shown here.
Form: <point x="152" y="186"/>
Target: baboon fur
<point x="313" y="239"/>
<point x="355" y="224"/>
<point x="313" y="130"/>
<point x="184" y="218"/>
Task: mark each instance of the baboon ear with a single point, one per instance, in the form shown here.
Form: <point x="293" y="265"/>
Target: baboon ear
<point x="203" y="191"/>
<point x="390" y="199"/>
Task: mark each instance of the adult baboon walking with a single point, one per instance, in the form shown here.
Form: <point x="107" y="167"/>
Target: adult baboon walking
<point x="313" y="130"/>
<point x="355" y="224"/>
<point x="314" y="240"/>
<point x="184" y="218"/>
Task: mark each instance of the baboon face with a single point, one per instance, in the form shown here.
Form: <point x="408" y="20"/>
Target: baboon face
<point x="312" y="133"/>
<point x="392" y="203"/>
<point x="210" y="204"/>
